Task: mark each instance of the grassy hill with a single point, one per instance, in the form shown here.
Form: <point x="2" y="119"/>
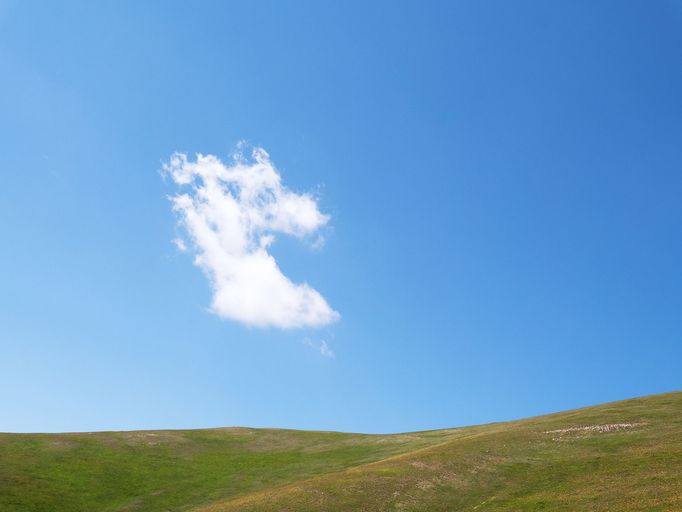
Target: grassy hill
<point x="620" y="456"/>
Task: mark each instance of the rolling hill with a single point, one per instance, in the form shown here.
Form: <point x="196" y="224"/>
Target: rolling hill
<point x="620" y="456"/>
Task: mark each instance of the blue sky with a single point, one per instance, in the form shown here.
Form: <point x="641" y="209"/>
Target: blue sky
<point x="502" y="182"/>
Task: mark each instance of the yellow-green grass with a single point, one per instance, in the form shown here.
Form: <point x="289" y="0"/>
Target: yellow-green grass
<point x="174" y="470"/>
<point x="620" y="456"/>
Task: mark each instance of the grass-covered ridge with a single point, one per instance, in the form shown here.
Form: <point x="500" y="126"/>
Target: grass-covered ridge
<point x="620" y="456"/>
<point x="173" y="470"/>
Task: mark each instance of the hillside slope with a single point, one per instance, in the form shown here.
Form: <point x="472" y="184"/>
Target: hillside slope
<point x="623" y="456"/>
<point x="620" y="456"/>
<point x="174" y="470"/>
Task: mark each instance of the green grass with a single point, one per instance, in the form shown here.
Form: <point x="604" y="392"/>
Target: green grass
<point x="514" y="466"/>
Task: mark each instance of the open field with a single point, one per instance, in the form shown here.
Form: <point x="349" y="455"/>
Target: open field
<point x="620" y="456"/>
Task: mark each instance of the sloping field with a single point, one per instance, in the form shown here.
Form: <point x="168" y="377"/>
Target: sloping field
<point x="620" y="456"/>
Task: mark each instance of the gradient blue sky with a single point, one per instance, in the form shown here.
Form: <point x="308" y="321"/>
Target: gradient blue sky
<point x="504" y="181"/>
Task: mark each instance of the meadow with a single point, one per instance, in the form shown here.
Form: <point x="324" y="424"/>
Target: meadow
<point x="619" y="456"/>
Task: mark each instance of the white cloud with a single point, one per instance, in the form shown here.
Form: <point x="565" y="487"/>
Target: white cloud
<point x="325" y="350"/>
<point x="180" y="244"/>
<point x="230" y="213"/>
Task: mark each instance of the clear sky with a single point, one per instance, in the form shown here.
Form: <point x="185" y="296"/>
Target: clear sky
<point x="497" y="185"/>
